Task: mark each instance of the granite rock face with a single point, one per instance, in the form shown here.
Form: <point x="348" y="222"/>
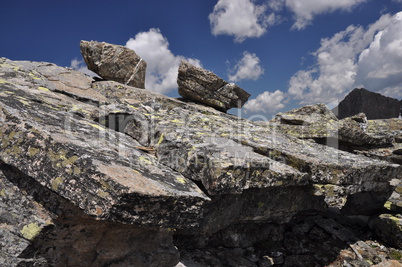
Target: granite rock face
<point x="114" y="62"/>
<point x="374" y="105"/>
<point x="202" y="86"/>
<point x="101" y="173"/>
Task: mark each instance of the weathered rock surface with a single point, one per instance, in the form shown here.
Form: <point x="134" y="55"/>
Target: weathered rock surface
<point x="40" y="228"/>
<point x="374" y="138"/>
<point x="114" y="62"/>
<point x="317" y="122"/>
<point x="389" y="228"/>
<point x="101" y="173"/>
<point x="374" y="105"/>
<point x="202" y="86"/>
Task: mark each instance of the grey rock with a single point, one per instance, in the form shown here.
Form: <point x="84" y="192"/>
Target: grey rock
<point x="317" y="122"/>
<point x="374" y="105"/>
<point x="114" y="62"/>
<point x="389" y="228"/>
<point x="40" y="228"/>
<point x="117" y="171"/>
<point x="202" y="86"/>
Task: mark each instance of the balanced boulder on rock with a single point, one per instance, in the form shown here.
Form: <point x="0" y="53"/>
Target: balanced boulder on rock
<point x="207" y="88"/>
<point x="114" y="62"/>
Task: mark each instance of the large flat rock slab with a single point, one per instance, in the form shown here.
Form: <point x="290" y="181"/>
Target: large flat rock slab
<point x="229" y="154"/>
<point x="96" y="168"/>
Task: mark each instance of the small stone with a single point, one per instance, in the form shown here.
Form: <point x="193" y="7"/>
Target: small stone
<point x="266" y="261"/>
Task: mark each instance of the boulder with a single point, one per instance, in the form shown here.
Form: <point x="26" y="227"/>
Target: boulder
<point x="202" y="86"/>
<point x="114" y="62"/>
<point x="374" y="105"/>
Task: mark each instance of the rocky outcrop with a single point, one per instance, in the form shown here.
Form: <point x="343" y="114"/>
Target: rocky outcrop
<point x="373" y="138"/>
<point x="114" y="62"/>
<point x="101" y="173"/>
<point x="374" y="105"/>
<point x="317" y="122"/>
<point x="202" y="86"/>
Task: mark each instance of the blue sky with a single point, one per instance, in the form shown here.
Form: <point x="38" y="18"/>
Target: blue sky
<point x="286" y="53"/>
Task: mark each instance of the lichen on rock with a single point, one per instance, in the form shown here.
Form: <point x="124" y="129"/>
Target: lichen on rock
<point x="128" y="174"/>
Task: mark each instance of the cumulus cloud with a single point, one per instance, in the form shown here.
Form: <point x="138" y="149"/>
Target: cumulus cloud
<point x="79" y="65"/>
<point x="266" y="102"/>
<point x="380" y="65"/>
<point x="162" y="64"/>
<point x="355" y="57"/>
<point x="305" y="10"/>
<point x="248" y="68"/>
<point x="240" y="18"/>
<point x="244" y="19"/>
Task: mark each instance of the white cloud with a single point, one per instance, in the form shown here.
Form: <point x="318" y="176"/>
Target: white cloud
<point x="244" y="19"/>
<point x="266" y="102"/>
<point x="305" y="10"/>
<point x="380" y="65"/>
<point x="79" y="65"/>
<point x="355" y="57"/>
<point x="276" y="5"/>
<point x="240" y="18"/>
<point x="248" y="68"/>
<point x="162" y="64"/>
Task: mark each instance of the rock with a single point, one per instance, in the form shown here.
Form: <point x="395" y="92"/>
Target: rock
<point x="394" y="203"/>
<point x="202" y="86"/>
<point x="390" y="263"/>
<point x="60" y="155"/>
<point x="373" y="138"/>
<point x="389" y="228"/>
<point x="306" y="115"/>
<point x="374" y="105"/>
<point x="102" y="173"/>
<point x="317" y="122"/>
<point x="43" y="228"/>
<point x="114" y="62"/>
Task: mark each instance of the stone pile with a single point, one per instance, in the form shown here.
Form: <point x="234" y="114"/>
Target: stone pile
<point x="100" y="173"/>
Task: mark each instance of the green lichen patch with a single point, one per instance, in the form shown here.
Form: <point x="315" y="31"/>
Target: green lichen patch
<point x="30" y="231"/>
<point x="56" y="183"/>
<point x="387" y="205"/>
<point x="32" y="151"/>
<point x="395" y="255"/>
<point x="41" y="88"/>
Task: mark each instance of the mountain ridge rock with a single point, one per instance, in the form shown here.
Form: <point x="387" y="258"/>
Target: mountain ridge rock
<point x="104" y="168"/>
<point x="374" y="105"/>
